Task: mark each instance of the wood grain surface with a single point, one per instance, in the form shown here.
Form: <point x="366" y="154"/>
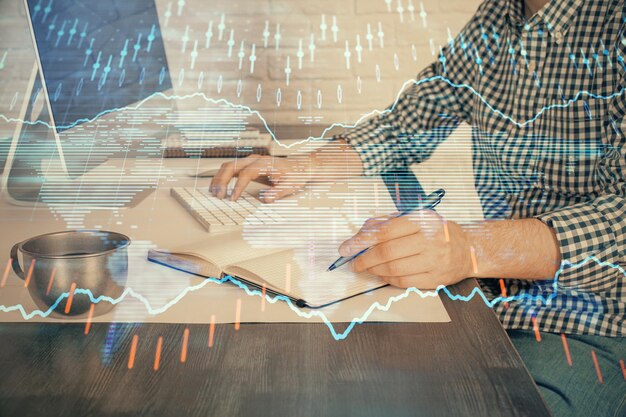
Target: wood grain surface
<point x="464" y="368"/>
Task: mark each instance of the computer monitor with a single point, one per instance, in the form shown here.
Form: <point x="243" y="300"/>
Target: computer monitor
<point x="94" y="58"/>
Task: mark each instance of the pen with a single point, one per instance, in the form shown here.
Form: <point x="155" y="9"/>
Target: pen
<point x="429" y="203"/>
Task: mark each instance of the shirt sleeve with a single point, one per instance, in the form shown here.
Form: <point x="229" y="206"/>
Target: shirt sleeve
<point x="427" y="111"/>
<point x="597" y="228"/>
<point x="594" y="229"/>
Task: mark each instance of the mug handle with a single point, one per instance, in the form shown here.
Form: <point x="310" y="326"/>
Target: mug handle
<point x="16" y="262"/>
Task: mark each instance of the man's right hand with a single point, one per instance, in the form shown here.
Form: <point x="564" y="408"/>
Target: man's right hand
<point x="334" y="161"/>
<point x="286" y="175"/>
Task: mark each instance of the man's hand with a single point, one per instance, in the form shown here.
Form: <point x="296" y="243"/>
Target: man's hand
<point x="423" y="250"/>
<point x="287" y="176"/>
<point x="333" y="161"/>
<point x="420" y="250"/>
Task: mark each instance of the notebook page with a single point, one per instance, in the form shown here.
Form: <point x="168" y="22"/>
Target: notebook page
<point x="297" y="274"/>
<point x="224" y="249"/>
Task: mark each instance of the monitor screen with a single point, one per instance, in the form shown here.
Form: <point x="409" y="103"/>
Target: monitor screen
<point x="97" y="56"/>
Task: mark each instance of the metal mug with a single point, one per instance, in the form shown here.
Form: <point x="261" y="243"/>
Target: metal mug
<point x="86" y="260"/>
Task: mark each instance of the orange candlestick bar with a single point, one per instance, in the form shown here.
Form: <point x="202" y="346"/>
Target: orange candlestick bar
<point x="133" y="352"/>
<point x="52" y="274"/>
<point x="597" y="366"/>
<point x="238" y="314"/>
<point x="29" y="274"/>
<point x="157" y="354"/>
<point x="503" y="290"/>
<point x="89" y="318"/>
<point x="211" y="330"/>
<point x="568" y="356"/>
<point x="183" y="350"/>
<point x="6" y="273"/>
<point x="536" y="329"/>
<point x="474" y="261"/>
<point x="70" y="298"/>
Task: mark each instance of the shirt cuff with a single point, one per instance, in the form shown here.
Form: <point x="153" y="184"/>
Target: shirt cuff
<point x="373" y="143"/>
<point x="589" y="252"/>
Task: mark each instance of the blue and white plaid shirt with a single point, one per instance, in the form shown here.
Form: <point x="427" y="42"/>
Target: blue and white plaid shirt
<point x="546" y="101"/>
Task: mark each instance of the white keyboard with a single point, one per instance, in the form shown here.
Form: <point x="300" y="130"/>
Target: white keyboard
<point x="217" y="215"/>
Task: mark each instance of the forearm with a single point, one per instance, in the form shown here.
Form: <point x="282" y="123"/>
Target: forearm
<point x="523" y="249"/>
<point x="336" y="160"/>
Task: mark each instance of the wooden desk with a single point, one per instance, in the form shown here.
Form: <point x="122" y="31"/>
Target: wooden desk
<point x="464" y="368"/>
<point x="467" y="367"/>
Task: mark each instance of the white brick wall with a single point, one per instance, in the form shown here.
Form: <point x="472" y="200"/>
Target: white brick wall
<point x="407" y="49"/>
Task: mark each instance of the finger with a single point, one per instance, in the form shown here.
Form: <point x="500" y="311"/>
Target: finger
<point x="280" y="190"/>
<point x="422" y="281"/>
<point x="375" y="231"/>
<point x="382" y="229"/>
<point x="414" y="264"/>
<point x="364" y="238"/>
<point x="275" y="175"/>
<point x="222" y="178"/>
<point x="227" y="171"/>
<point x="243" y="179"/>
<point x="388" y="251"/>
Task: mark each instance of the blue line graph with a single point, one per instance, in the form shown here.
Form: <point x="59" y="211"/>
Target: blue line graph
<point x="564" y="104"/>
<point x="309" y="314"/>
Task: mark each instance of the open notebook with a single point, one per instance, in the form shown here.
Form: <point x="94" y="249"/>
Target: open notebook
<point x="289" y="272"/>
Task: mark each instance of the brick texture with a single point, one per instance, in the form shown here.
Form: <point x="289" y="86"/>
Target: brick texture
<point x="324" y="86"/>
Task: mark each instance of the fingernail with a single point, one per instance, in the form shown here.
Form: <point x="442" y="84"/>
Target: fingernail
<point x="344" y="249"/>
<point x="268" y="195"/>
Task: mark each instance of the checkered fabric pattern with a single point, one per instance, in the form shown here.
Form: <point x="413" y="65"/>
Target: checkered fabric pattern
<point x="546" y="101"/>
